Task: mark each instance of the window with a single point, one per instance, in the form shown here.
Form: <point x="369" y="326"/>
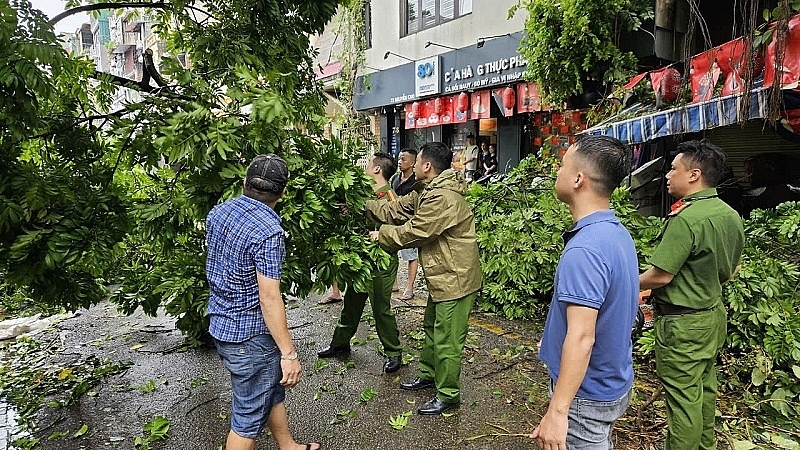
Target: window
<point x="367" y="25"/>
<point x="422" y="14"/>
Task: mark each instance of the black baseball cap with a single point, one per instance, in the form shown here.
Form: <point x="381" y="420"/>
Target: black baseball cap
<point x="267" y="173"/>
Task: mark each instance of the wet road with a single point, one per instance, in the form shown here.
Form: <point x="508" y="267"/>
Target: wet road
<point x="503" y="386"/>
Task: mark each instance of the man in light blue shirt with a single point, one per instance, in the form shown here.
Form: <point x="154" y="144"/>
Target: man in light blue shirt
<point x="586" y="343"/>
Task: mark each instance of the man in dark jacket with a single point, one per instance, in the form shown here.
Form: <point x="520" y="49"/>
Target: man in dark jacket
<point x="403" y="183"/>
<point x="440" y="223"/>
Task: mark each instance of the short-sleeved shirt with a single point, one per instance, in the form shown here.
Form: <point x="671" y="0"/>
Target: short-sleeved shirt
<point x="598" y="269"/>
<point x="471" y="152"/>
<point x="701" y="246"/>
<point x="244" y="237"/>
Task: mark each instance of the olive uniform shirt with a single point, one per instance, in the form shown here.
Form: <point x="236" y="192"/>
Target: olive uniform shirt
<point x="701" y="245"/>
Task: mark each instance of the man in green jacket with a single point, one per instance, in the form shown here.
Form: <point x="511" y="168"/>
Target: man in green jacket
<point x="379" y="290"/>
<point x="439" y="222"/>
<point x="699" y="251"/>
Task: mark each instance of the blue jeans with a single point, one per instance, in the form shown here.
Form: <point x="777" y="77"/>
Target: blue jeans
<point x="255" y="367"/>
<point x="591" y="422"/>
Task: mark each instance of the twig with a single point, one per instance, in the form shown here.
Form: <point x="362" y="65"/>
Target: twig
<point x="58" y="420"/>
<point x="494" y="372"/>
<point x="649" y="402"/>
<point x="200" y="404"/>
<point x="493" y="435"/>
<point x="498" y="427"/>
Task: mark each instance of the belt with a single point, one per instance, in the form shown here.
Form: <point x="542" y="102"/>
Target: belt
<point x="667" y="309"/>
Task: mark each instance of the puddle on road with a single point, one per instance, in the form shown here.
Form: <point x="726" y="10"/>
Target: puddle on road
<point x="8" y="423"/>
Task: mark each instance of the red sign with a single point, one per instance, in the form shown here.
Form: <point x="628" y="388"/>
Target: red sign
<point x="790" y="66"/>
<point x="730" y="57"/>
<point x="458" y="110"/>
<point x="411" y="116"/>
<point x="481" y="106"/>
<point x="704" y="73"/>
<point x="528" y="98"/>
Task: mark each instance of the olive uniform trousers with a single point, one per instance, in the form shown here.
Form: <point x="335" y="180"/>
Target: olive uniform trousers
<point x="445" y="325"/>
<point x="380" y="295"/>
<point x="686" y="348"/>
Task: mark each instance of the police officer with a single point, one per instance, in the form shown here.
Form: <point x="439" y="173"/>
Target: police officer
<point x="700" y="249"/>
<point x="381" y="166"/>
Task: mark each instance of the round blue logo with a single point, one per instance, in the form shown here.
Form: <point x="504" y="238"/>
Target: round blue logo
<point x="424" y="70"/>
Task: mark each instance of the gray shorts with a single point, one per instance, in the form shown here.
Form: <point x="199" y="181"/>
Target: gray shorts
<point x="591" y="422"/>
<point x="409" y="254"/>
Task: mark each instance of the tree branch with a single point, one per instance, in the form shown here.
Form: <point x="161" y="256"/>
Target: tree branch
<point x="107" y="5"/>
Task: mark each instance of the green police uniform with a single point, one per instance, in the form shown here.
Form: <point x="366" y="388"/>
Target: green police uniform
<point x="440" y="222"/>
<point x="380" y="293"/>
<point x="701" y="246"/>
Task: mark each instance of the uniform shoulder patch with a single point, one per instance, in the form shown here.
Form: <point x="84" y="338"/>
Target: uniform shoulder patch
<point x="678" y="206"/>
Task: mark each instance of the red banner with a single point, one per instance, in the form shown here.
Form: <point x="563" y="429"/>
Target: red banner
<point x="666" y="82"/>
<point x="481" y="105"/>
<point x="634" y="81"/>
<point x="507" y="97"/>
<point x="730" y="58"/>
<point x="704" y="73"/>
<point x="790" y="66"/>
<point x="528" y="98"/>
<point x="460" y="107"/>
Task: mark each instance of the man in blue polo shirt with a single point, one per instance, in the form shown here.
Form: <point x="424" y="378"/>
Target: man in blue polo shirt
<point x="247" y="317"/>
<point x="586" y="343"/>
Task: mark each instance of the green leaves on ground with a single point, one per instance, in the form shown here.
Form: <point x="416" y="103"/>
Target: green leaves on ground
<point x="399" y="421"/>
<point x="155" y="430"/>
<point x="368" y="394"/>
<point x="32" y="373"/>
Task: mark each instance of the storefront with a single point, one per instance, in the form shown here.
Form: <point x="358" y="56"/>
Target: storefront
<point x="475" y="90"/>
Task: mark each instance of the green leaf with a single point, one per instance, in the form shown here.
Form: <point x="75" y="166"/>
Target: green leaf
<point x="757" y="377"/>
<point x="81" y="431"/>
<point x="400" y="421"/>
<point x="368" y="394"/>
<point x="743" y="445"/>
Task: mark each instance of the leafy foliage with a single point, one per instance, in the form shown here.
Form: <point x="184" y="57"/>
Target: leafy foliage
<point x="399" y="421"/>
<point x="519" y="224"/>
<point x="572" y="44"/>
<point x="763" y="348"/>
<point x="92" y="197"/>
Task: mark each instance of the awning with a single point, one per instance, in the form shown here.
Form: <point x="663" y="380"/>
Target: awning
<point x="717" y="112"/>
<point x="328" y="71"/>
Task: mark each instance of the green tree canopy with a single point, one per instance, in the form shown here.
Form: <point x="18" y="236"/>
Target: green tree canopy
<point x="92" y="197"/>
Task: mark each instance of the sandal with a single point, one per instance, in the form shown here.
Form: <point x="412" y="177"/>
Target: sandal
<point x="329" y="300"/>
<point x="407" y="296"/>
<point x="308" y="446"/>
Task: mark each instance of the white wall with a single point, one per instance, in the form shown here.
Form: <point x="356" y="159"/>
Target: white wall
<point x="488" y="18"/>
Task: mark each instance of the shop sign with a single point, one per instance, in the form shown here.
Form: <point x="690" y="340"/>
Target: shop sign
<point x="426" y="76"/>
<point x="488" y="73"/>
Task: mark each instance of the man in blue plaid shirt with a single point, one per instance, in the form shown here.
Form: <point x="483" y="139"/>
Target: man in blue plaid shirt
<point x="247" y="316"/>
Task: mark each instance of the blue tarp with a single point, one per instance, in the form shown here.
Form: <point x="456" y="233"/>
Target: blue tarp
<point x="717" y="112"/>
